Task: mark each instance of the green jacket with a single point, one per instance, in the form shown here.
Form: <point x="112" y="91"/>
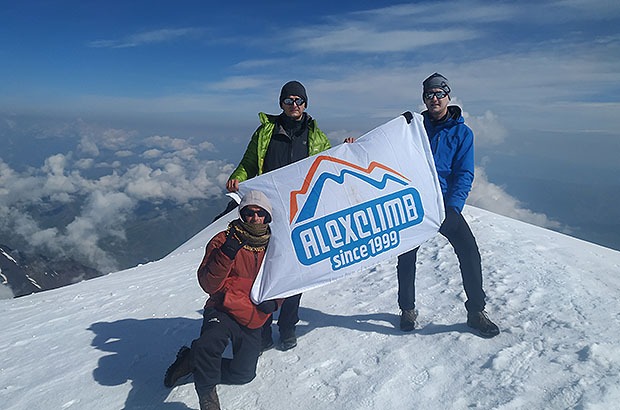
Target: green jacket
<point x="252" y="162"/>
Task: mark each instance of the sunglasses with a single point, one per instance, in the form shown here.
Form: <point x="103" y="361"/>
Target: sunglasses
<point x="248" y="213"/>
<point x="290" y="101"/>
<point x="430" y="94"/>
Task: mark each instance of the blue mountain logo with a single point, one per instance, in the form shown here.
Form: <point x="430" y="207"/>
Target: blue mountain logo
<point x="352" y="235"/>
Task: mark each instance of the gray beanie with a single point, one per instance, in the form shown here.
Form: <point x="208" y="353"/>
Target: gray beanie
<point x="293" y="88"/>
<point x="436" y="81"/>
<point x="257" y="198"/>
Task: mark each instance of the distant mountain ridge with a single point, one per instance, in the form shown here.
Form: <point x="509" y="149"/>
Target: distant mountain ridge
<point x="26" y="273"/>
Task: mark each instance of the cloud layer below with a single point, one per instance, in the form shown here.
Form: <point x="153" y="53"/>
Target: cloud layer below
<point x="105" y="188"/>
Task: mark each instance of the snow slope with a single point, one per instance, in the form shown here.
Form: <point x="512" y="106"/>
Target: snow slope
<point x="105" y="343"/>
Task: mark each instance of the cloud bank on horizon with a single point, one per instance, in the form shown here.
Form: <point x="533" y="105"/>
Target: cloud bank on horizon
<point x="105" y="177"/>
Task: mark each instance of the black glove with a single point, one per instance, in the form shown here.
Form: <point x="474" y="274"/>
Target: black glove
<point x="268" y="306"/>
<point x="452" y="221"/>
<point x="232" y="245"/>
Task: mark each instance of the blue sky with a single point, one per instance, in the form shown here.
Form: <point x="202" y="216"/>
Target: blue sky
<point x="196" y="57"/>
<point x="110" y="86"/>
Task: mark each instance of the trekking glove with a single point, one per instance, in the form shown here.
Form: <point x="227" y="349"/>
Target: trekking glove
<point x="232" y="245"/>
<point x="268" y="306"/>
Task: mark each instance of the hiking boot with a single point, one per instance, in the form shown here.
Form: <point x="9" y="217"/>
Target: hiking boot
<point x="266" y="344"/>
<point x="209" y="401"/>
<point x="181" y="367"/>
<point x="288" y="340"/>
<point x="481" y="322"/>
<point x="407" y="320"/>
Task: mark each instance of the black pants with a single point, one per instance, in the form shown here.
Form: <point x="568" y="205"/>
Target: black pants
<point x="209" y="368"/>
<point x="456" y="230"/>
<point x="289" y="316"/>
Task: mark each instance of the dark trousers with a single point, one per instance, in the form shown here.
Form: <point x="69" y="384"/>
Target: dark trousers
<point x="456" y="230"/>
<point x="209" y="368"/>
<point x="289" y="316"/>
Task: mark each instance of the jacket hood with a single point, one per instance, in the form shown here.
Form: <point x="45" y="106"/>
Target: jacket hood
<point x="273" y="119"/>
<point x="454" y="113"/>
<point x="256" y="198"/>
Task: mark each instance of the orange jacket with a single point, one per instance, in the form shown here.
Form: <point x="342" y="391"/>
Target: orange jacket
<point x="229" y="282"/>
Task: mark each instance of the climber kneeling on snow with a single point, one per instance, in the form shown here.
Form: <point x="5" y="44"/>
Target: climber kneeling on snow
<point x="227" y="273"/>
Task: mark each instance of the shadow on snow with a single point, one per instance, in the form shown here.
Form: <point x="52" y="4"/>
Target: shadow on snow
<point x="142" y="350"/>
<point x="383" y="323"/>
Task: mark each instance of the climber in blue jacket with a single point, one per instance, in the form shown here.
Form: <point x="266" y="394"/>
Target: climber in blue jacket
<point x="452" y="143"/>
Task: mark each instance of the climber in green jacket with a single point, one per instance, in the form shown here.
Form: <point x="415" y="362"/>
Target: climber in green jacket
<point x="281" y="140"/>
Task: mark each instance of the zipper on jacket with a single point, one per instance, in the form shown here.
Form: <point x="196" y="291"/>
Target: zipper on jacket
<point x="435" y="146"/>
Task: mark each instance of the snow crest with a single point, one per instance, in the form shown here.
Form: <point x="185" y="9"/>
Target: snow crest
<point x="105" y="343"/>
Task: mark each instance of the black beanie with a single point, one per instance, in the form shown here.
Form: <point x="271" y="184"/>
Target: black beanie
<point x="293" y="88"/>
<point x="436" y="80"/>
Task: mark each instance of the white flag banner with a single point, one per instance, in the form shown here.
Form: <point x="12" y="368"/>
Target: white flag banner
<point x="348" y="208"/>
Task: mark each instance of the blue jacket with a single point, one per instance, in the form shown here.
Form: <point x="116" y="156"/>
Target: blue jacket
<point x="452" y="143"/>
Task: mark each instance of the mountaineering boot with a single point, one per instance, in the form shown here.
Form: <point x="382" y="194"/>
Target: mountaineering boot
<point x="181" y="367"/>
<point x="481" y="322"/>
<point x="266" y="344"/>
<point x="407" y="320"/>
<point x="209" y="401"/>
<point x="288" y="340"/>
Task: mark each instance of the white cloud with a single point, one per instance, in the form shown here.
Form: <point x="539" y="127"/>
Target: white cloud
<point x="588" y="9"/>
<point x="207" y="146"/>
<point x="85" y="163"/>
<point x="88" y="147"/>
<point x="487" y="128"/>
<point x="526" y="86"/>
<point x="364" y="39"/>
<point x="57" y="181"/>
<point x="404" y="27"/>
<point x="44" y="238"/>
<point x="14" y="184"/>
<point x="481" y="12"/>
<point x="10" y="123"/>
<point x="186" y="154"/>
<point x="472" y="12"/>
<point x="55" y="164"/>
<point x="166" y="142"/>
<point x="489" y="196"/>
<point x="108" y="210"/>
<point x="113" y="138"/>
<point x="261" y="63"/>
<point x="152" y="153"/>
<point x="148" y="37"/>
<point x="103" y="43"/>
<point x="113" y="164"/>
<point x="237" y="83"/>
<point x="108" y="201"/>
<point x="123" y="153"/>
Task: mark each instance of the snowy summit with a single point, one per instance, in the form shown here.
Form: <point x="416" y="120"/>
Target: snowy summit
<point x="105" y="343"/>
